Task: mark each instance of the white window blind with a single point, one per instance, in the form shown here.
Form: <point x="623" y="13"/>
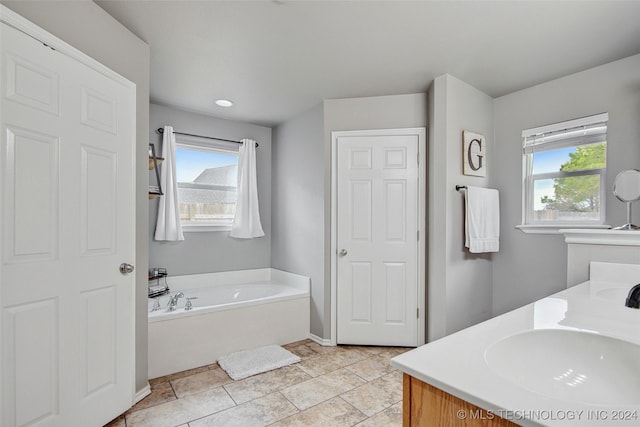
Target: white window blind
<point x="573" y="133"/>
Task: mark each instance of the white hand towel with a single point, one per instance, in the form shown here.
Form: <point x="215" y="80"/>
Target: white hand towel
<point x="482" y="219"/>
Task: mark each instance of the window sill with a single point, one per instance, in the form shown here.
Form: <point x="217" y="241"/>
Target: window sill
<point x="555" y="229"/>
<point x="202" y="228"/>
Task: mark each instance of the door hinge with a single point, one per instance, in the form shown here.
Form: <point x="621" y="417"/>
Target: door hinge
<point x="418" y="312"/>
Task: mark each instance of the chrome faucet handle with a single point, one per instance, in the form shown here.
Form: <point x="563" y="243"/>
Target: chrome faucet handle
<point x="188" y="305"/>
<point x="156" y="304"/>
<point x="173" y="301"/>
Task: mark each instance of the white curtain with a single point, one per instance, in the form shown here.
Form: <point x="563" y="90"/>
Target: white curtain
<point x="168" y="224"/>
<point x="246" y="223"/>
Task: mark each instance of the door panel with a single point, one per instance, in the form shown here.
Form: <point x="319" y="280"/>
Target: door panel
<point x="377" y="225"/>
<point x="31" y="176"/>
<point x="67" y="214"/>
<point x="32" y="345"/>
<point x="361" y="292"/>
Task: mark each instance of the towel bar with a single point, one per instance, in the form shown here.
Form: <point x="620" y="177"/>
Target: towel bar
<point x="461" y="187"/>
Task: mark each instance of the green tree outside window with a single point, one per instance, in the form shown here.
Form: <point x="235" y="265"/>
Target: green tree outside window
<point x="579" y="193"/>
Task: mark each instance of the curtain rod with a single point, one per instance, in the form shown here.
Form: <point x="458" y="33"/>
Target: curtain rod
<point x="161" y="131"/>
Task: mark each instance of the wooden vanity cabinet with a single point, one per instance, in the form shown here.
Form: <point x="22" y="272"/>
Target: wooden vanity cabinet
<point x="424" y="405"/>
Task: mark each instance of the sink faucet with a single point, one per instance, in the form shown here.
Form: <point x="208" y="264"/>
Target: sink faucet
<point x="633" y="299"/>
<point x="173" y="301"/>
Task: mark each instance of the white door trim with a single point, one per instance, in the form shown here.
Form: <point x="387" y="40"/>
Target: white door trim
<point x="422" y="219"/>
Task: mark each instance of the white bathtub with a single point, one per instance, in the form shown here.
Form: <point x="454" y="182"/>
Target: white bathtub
<point x="232" y="311"/>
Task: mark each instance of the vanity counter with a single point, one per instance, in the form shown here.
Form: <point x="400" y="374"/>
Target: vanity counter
<point x="458" y="364"/>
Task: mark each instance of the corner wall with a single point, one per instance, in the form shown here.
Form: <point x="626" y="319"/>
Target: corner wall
<point x="460" y="283"/>
<point x="209" y="252"/>
<point x="297" y="245"/>
<point x="91" y="30"/>
<point x="530" y="266"/>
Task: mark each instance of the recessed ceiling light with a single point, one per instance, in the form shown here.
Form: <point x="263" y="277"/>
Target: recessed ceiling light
<point x="224" y="103"/>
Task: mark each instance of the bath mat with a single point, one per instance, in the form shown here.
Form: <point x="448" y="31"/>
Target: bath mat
<point x="243" y="364"/>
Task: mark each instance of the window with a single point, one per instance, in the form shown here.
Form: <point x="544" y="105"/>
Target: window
<point x="564" y="170"/>
<point x="207" y="180"/>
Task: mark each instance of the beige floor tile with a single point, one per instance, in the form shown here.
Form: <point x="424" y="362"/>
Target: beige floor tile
<point x="377" y="395"/>
<point x="322" y="348"/>
<point x="371" y="368"/>
<point x="158" y="382"/>
<point x="266" y="383"/>
<point x="187" y="373"/>
<point x="182" y="410"/>
<point x="316" y="390"/>
<point x="117" y="422"/>
<point x="297" y="343"/>
<point x="331" y="361"/>
<point x="258" y="412"/>
<point x="394" y="351"/>
<point x="303" y="351"/>
<point x="199" y="382"/>
<point x="161" y="393"/>
<point x="390" y="417"/>
<point x="370" y="350"/>
<point x="349" y="383"/>
<point x="332" y="413"/>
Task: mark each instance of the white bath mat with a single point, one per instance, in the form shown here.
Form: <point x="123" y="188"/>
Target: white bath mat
<point x="245" y="363"/>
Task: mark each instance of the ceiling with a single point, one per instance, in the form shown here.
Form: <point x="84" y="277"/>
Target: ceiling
<point x="276" y="59"/>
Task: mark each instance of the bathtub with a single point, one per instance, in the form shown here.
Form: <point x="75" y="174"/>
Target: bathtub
<point x="232" y="311"/>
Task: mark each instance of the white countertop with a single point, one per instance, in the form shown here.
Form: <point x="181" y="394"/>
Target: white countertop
<point x="602" y="237"/>
<point x="456" y="364"/>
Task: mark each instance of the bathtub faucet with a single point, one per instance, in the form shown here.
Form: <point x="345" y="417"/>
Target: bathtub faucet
<point x="173" y="301"/>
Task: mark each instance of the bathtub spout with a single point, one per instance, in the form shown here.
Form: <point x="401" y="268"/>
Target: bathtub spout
<point x="173" y="301"/>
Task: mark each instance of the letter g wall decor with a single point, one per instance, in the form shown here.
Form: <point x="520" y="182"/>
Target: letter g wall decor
<point x="474" y="154"/>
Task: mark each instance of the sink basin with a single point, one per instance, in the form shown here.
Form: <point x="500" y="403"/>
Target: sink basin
<point x="570" y="365"/>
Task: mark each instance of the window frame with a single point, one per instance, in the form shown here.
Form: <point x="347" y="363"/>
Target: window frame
<point x="194" y="143"/>
<point x="529" y="224"/>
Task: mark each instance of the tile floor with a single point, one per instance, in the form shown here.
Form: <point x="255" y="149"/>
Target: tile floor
<point x="331" y="386"/>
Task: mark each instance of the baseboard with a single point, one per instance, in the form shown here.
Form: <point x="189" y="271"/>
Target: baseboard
<point x="141" y="394"/>
<point x="321" y="341"/>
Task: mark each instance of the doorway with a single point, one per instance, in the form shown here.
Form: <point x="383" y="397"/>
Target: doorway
<point x="378" y="237"/>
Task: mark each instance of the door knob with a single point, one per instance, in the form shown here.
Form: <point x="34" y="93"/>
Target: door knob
<point x="342" y="252"/>
<point x="126" y="268"/>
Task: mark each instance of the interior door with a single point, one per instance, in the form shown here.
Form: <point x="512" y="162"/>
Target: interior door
<point x="67" y="215"/>
<point x="377" y="239"/>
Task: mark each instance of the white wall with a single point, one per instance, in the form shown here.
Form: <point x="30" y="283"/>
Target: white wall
<point x="460" y="283"/>
<point x="528" y="266"/>
<point x="297" y="244"/>
<point x="209" y="252"/>
<point x="91" y="30"/>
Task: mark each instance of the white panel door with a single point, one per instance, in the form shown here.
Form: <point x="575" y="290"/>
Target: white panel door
<point x="67" y="212"/>
<point x="377" y="239"/>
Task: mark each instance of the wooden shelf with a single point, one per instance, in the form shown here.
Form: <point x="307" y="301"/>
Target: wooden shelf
<point x="158" y="161"/>
<point x="154" y="161"/>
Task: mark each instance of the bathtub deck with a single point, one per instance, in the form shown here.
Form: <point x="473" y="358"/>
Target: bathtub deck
<point x="342" y="386"/>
